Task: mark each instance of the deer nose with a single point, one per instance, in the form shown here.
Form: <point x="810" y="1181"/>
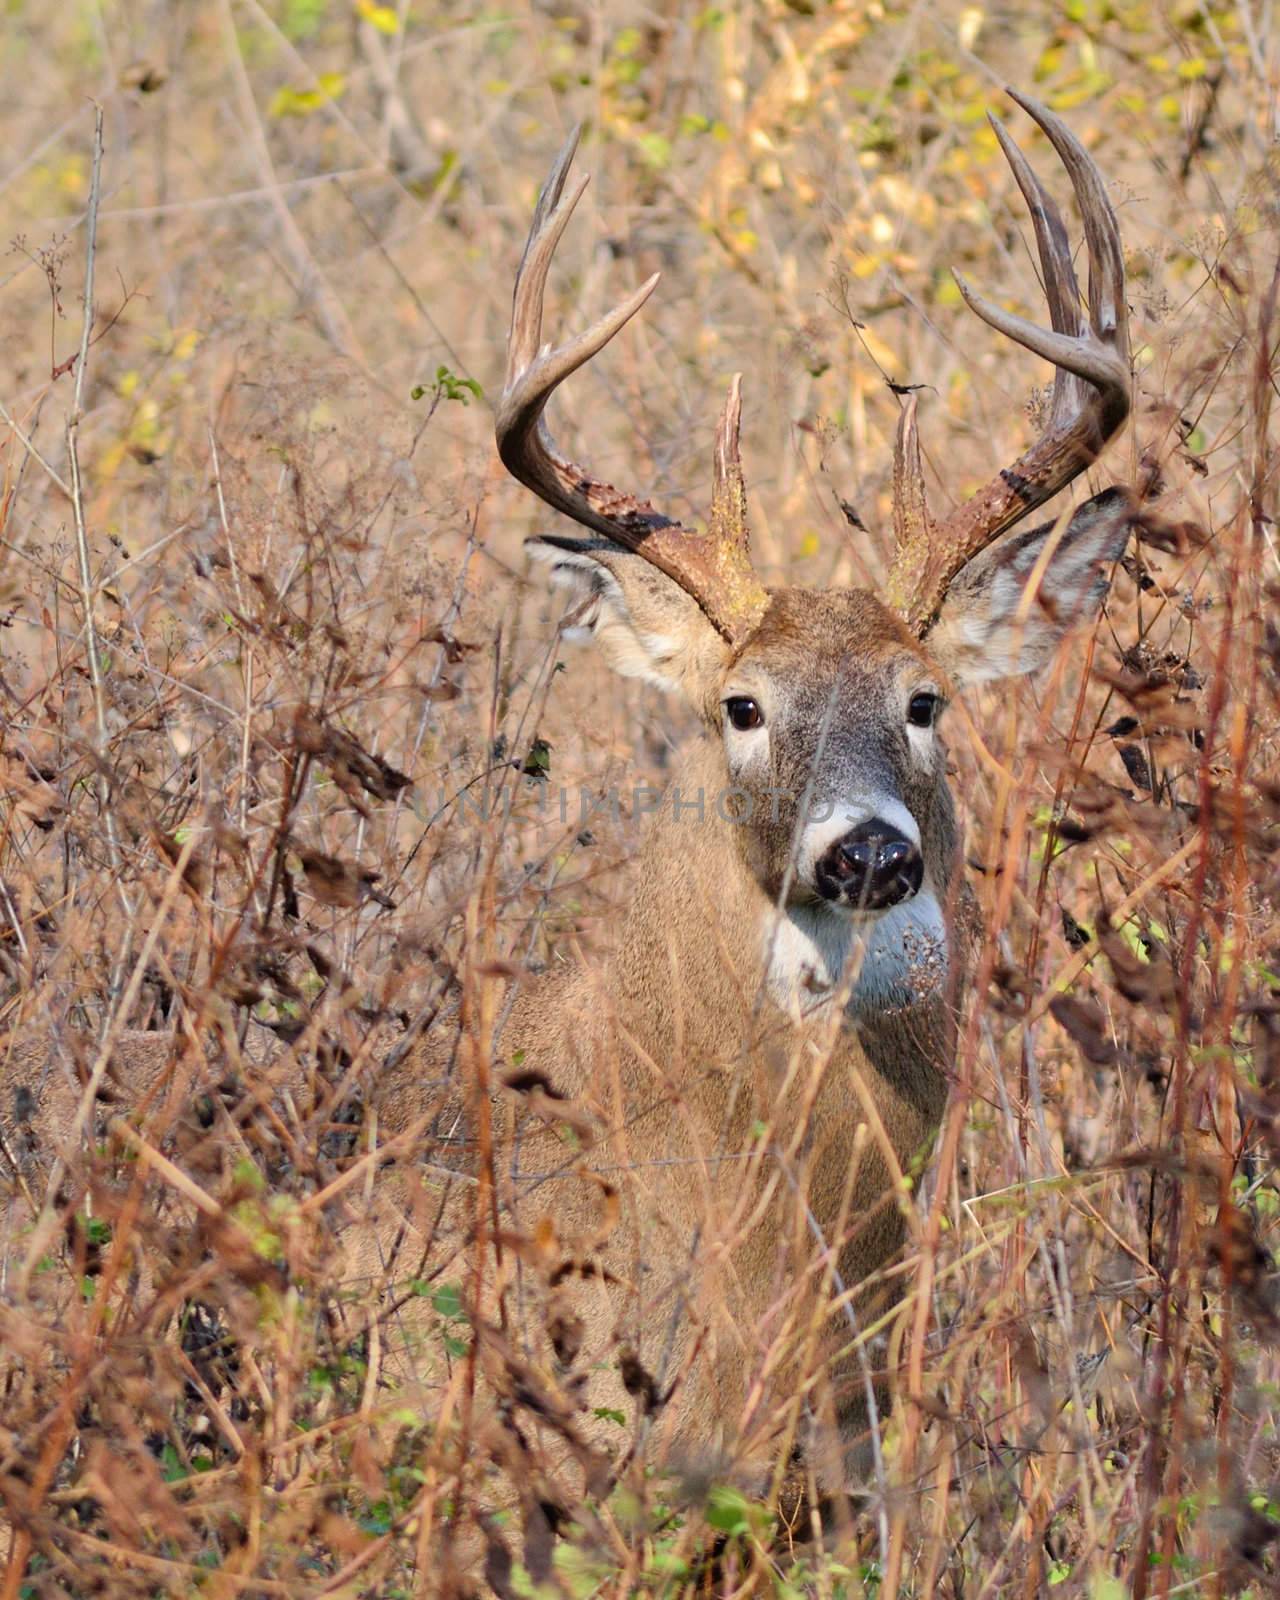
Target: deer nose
<point x="873" y="866"/>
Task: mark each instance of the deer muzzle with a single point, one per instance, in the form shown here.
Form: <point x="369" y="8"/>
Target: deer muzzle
<point x="870" y="868"/>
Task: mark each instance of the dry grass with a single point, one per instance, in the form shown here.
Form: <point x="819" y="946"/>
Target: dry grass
<point x="305" y="584"/>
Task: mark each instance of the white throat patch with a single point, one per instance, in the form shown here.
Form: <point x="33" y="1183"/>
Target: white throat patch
<point x="883" y="962"/>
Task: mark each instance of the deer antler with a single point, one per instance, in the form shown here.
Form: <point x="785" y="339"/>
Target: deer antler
<point x="713" y="567"/>
<point x="1090" y="386"/>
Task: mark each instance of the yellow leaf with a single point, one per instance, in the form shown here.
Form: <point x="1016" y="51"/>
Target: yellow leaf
<point x="1068" y="99"/>
<point x="984" y="142"/>
<point x="383" y="18"/>
<point x="906" y="199"/>
<point x="290" y="102"/>
<point x="111" y="458"/>
<point x="970" y="25"/>
<point x="71" y="177"/>
<point x="878" y="350"/>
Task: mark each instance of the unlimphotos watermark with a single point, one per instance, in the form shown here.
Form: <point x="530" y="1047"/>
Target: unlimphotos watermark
<point x="581" y="804"/>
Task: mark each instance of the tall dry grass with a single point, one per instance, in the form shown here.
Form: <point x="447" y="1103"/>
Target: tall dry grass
<point x="237" y="732"/>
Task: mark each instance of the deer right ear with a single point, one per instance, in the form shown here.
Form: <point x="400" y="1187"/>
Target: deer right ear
<point x="645" y="625"/>
<point x="985" y="631"/>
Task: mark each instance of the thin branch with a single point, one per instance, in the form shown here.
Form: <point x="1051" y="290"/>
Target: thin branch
<point x="29" y="446"/>
<point x="87" y="586"/>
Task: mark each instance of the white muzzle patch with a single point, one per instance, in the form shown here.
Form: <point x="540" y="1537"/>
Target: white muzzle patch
<point x="879" y="961"/>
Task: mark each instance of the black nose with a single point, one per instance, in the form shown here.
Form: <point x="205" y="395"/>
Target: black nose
<point x="871" y="867"/>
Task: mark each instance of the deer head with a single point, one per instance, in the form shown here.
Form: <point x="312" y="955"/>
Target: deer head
<point x="826" y="705"/>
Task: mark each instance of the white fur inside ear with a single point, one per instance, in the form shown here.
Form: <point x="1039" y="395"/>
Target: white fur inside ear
<point x="578" y="576"/>
<point x="644" y="625"/>
<point x="985" y="630"/>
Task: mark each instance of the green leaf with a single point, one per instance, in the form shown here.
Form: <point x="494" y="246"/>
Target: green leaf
<point x="537" y="764"/>
<point x="728" y="1510"/>
<point x="656" y="149"/>
<point x="449" y="386"/>
<point x="669" y="1564"/>
<point x="378" y="1518"/>
<point x="302" y="18"/>
<point x="447" y="1300"/>
<point x="245" y="1174"/>
<point x="97" y="1231"/>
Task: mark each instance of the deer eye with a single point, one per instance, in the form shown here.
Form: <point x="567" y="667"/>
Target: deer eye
<point x="743" y="713"/>
<point x="922" y="712"/>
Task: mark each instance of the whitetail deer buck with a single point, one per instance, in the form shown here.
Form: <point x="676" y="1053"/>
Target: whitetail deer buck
<point x="767" y="1047"/>
<point x="765" y="1053"/>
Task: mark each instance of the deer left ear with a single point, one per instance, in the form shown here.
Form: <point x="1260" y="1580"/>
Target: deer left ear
<point x="643" y="623"/>
<point x="984" y="631"/>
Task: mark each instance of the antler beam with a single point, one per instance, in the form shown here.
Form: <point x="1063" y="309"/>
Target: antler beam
<point x="1091" y="389"/>
<point x="713" y="567"/>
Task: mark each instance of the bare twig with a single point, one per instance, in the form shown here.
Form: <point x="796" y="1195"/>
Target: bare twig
<point x="87" y="587"/>
<point x="29" y="446"/>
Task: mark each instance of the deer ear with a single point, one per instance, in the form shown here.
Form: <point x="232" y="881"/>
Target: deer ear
<point x="644" y="623"/>
<point x="984" y="630"/>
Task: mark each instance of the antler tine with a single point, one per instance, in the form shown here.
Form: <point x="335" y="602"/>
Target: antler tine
<point x="715" y="567"/>
<point x="1052" y="241"/>
<point x="531" y="275"/>
<point x="912" y="524"/>
<point x="728" y="487"/>
<point x="1107" y="312"/>
<point x="1090" y="391"/>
